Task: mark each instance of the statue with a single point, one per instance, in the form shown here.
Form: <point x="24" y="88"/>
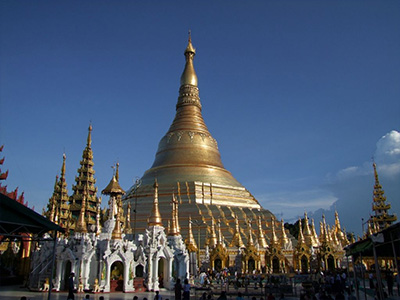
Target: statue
<point x="96" y="287"/>
<point x="46" y="285"/>
<point x="80" y="286"/>
<point x="115" y="273"/>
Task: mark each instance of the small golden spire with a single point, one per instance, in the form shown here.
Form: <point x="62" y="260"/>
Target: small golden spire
<point x="220" y="237"/>
<point x="250" y="239"/>
<point x="301" y="239"/>
<point x="307" y="231"/>
<point x="155" y="216"/>
<point x="261" y="238"/>
<point x="117" y="172"/>
<point x="314" y="234"/>
<point x="274" y="239"/>
<point x="189" y="76"/>
<point x="213" y="238"/>
<point x="237" y="238"/>
<point x="284" y="238"/>
<point x="98" y="216"/>
<point x="63" y="166"/>
<point x="81" y="224"/>
<point x="89" y="138"/>
<point x="128" y="228"/>
<point x="190" y="242"/>
<point x="174" y="229"/>
<point x="116" y="234"/>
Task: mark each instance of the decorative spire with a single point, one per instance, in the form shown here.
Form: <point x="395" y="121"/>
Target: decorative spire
<point x="237" y="238"/>
<point x="284" y="238"/>
<point x="250" y="239"/>
<point x="307" y="231"/>
<point x="301" y="239"/>
<point x="314" y="235"/>
<point x="189" y="76"/>
<point x="220" y="237"/>
<point x="81" y="223"/>
<point x="174" y="229"/>
<point x="155" y="216"/>
<point x="85" y="181"/>
<point x="379" y="205"/>
<point x="128" y="228"/>
<point x="213" y="238"/>
<point x="116" y="233"/>
<point x="274" y="239"/>
<point x="261" y="238"/>
<point x="190" y="241"/>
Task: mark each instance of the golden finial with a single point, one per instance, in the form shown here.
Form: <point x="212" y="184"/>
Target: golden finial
<point x="116" y="234"/>
<point x="155" y="216"/>
<point x="189" y="76"/>
<point x="117" y="172"/>
<point x="274" y="239"/>
<point x="128" y="228"/>
<point x="220" y="237"/>
<point x="63" y="166"/>
<point x="89" y="138"/>
<point x="314" y="234"/>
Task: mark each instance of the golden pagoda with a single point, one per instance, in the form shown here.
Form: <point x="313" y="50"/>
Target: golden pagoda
<point x="188" y="163"/>
<point x="380" y="207"/>
<point x="84" y="188"/>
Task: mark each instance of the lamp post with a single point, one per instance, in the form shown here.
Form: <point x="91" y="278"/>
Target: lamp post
<point x="198" y="223"/>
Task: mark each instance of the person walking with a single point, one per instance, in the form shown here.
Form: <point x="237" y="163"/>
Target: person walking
<point x="71" y="295"/>
<point x="186" y="290"/>
<point x="157" y="296"/>
<point x="178" y="289"/>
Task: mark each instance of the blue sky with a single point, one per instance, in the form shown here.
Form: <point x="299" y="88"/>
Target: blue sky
<point x="299" y="94"/>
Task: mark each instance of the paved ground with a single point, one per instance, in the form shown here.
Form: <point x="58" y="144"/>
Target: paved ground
<point x="15" y="292"/>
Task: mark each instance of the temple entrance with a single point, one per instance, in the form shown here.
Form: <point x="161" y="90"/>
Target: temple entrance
<point x="217" y="264"/>
<point x="304" y="264"/>
<point x="275" y="265"/>
<point x="138" y="281"/>
<point x="331" y="263"/>
<point x="251" y="265"/>
<point x="161" y="271"/>
<point x="67" y="272"/>
<point x="117" y="277"/>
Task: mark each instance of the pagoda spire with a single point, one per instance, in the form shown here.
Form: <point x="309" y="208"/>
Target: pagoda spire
<point x="314" y="235"/>
<point x="379" y="205"/>
<point x="85" y="181"/>
<point x="274" y="239"/>
<point x="213" y="238"/>
<point x="250" y="239"/>
<point x="220" y="237"/>
<point x="261" y="238"/>
<point x="81" y="223"/>
<point x="301" y="239"/>
<point x="307" y="231"/>
<point x="155" y="216"/>
<point x="189" y="76"/>
<point x="284" y="238"/>
<point x="190" y="241"/>
<point x="128" y="228"/>
<point x="174" y="229"/>
<point x="237" y="238"/>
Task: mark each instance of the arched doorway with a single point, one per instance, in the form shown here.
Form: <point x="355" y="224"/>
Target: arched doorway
<point x="217" y="264"/>
<point x="161" y="272"/>
<point x="275" y="265"/>
<point x="304" y="264"/>
<point x="331" y="263"/>
<point x="67" y="272"/>
<point x="117" y="277"/>
<point x="138" y="281"/>
<point x="251" y="265"/>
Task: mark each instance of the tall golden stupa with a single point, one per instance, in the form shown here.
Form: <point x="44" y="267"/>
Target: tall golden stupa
<point x="188" y="167"/>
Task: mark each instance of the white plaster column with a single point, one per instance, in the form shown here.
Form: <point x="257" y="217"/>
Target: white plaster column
<point x="107" y="279"/>
<point x="57" y="282"/>
<point x="155" y="273"/>
<point x="128" y="286"/>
